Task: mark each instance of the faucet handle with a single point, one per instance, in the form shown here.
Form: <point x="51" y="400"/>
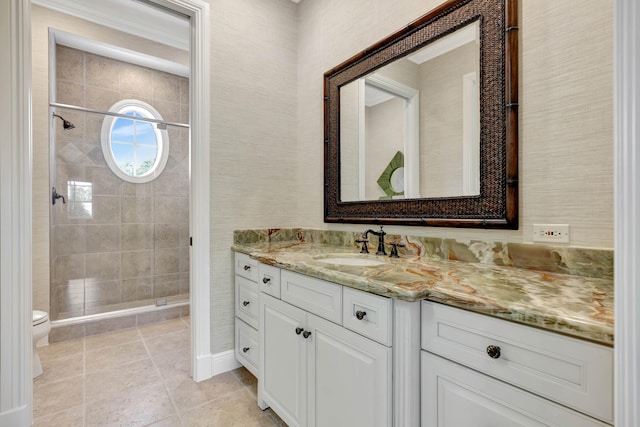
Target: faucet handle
<point x="394" y="249"/>
<point x="364" y="249"/>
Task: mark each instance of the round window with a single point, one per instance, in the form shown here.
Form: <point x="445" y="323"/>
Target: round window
<point x="134" y="149"/>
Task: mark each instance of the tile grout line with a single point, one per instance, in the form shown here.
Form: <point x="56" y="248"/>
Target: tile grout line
<point x="162" y="380"/>
<point x="84" y="381"/>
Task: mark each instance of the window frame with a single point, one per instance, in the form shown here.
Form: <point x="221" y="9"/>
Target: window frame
<point x="162" y="138"/>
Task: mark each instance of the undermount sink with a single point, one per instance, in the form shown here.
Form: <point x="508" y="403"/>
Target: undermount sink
<point x="350" y="261"/>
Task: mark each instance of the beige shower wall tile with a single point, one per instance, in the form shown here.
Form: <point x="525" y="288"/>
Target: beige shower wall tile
<point x="69" y="64"/>
<point x="138" y="190"/>
<point x="184" y="234"/>
<point x="102" y="238"/>
<point x="70" y="93"/>
<point x="69" y="239"/>
<point x="101" y="294"/>
<point x="167" y="261"/>
<point x="93" y="127"/>
<point x="170" y="111"/>
<point x="105" y="210"/>
<point x="166" y="285"/>
<point x="166" y="87"/>
<point x="171" y="209"/>
<point x="168" y="183"/>
<point x="136" y="264"/>
<point x="103" y="266"/>
<point x="136" y="289"/>
<point x="184" y="91"/>
<point x="101" y="99"/>
<point x="68" y="267"/>
<point x="166" y="235"/>
<point x="136" y="236"/>
<point x="137" y="209"/>
<point x="135" y="81"/>
<point x="103" y="181"/>
<point x="184" y="259"/>
<point x="103" y="72"/>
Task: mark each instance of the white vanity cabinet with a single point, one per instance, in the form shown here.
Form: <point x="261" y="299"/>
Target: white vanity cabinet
<point x="482" y="371"/>
<point x="315" y="372"/>
<point x="247" y="312"/>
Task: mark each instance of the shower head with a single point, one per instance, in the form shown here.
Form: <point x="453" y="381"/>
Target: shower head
<point x="66" y="124"/>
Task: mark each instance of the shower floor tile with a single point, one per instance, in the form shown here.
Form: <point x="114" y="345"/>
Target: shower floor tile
<point x="140" y="377"/>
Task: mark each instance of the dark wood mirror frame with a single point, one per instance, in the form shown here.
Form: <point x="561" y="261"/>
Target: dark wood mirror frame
<point x="497" y="204"/>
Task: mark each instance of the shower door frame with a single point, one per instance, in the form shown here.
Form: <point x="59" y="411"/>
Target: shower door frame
<point x="203" y="364"/>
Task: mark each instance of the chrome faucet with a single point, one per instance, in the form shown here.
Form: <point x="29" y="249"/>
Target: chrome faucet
<point x="364" y="240"/>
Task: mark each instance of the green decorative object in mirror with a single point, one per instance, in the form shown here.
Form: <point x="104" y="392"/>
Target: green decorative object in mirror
<point x="392" y="179"/>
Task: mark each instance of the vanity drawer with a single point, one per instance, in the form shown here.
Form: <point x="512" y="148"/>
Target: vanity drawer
<point x="313" y="295"/>
<point x="569" y="371"/>
<point x="269" y="280"/>
<point x="247" y="349"/>
<point x="367" y="314"/>
<point x="247" y="304"/>
<point x="246" y="267"/>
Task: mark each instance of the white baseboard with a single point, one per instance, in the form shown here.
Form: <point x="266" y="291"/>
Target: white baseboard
<point x="20" y="416"/>
<point x="223" y="362"/>
<point x="210" y="365"/>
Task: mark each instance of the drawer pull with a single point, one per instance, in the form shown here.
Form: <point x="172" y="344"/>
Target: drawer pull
<point x="266" y="280"/>
<point x="247" y="267"/>
<point x="245" y="303"/>
<point x="306" y="334"/>
<point x="299" y="330"/>
<point x="493" y="351"/>
<point x="244" y="350"/>
<point x="360" y="314"/>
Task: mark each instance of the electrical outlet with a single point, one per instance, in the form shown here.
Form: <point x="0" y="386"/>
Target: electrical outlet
<point x="556" y="233"/>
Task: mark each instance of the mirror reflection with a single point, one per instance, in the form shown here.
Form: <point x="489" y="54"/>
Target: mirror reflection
<point x="410" y="129"/>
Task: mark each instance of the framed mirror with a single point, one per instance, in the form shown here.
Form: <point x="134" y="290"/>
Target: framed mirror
<point x="421" y="128"/>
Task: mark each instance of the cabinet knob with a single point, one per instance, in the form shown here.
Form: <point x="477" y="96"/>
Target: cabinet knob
<point x="245" y="303"/>
<point x="299" y="330"/>
<point x="266" y="280"/>
<point x="247" y="267"/>
<point x="360" y="314"/>
<point x="244" y="350"/>
<point x="306" y="334"/>
<point x="493" y="351"/>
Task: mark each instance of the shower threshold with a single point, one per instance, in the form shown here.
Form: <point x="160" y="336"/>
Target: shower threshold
<point x="160" y="305"/>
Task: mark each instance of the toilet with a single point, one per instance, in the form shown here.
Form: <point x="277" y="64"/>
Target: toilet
<point x="41" y="328"/>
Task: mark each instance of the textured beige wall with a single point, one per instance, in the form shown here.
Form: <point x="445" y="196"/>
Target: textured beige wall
<point x="253" y="135"/>
<point x="566" y="109"/>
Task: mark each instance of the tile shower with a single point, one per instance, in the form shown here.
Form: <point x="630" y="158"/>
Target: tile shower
<point x="115" y="244"/>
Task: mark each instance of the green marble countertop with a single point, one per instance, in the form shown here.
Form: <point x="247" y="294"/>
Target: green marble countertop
<point x="581" y="307"/>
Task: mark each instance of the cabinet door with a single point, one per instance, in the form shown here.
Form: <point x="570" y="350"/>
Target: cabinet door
<point x="283" y="358"/>
<point x="349" y="378"/>
<point x="454" y="396"/>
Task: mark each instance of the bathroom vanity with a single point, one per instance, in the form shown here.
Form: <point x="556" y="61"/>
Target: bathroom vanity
<point x="340" y="338"/>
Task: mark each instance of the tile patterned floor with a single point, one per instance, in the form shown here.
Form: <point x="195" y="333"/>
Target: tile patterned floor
<point x="140" y="377"/>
